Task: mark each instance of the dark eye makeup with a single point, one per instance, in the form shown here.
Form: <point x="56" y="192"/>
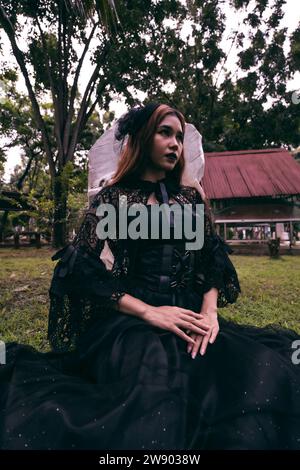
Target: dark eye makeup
<point x="167" y="130"/>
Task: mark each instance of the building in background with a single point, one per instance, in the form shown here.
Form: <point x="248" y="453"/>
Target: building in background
<point x="255" y="194"/>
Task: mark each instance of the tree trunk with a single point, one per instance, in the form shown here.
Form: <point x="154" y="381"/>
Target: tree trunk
<point x="60" y="195"/>
<point x="2" y="224"/>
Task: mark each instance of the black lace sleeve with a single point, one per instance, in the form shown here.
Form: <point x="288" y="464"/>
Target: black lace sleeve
<point x="82" y="289"/>
<point x="213" y="265"/>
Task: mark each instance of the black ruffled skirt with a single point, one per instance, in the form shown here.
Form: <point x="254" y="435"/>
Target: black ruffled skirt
<point x="134" y="386"/>
<point x="130" y="385"/>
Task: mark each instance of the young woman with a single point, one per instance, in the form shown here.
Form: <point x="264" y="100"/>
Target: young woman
<point x="141" y="359"/>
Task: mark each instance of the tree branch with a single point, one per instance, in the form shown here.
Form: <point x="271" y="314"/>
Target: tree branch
<point x="26" y="171"/>
<point x="67" y="130"/>
<point x="93" y="106"/>
<point x="84" y="104"/>
<point x="60" y="86"/>
<point x="57" y="116"/>
<point x="9" y="30"/>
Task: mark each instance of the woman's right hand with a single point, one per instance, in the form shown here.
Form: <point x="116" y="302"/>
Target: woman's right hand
<point x="176" y="319"/>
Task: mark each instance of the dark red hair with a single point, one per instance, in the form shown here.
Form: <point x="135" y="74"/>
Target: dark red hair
<point x="135" y="155"/>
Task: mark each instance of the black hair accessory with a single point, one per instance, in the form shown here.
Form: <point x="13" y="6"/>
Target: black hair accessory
<point x="131" y="122"/>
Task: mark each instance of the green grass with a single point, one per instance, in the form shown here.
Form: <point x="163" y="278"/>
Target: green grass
<point x="25" y="276"/>
<point x="270" y="293"/>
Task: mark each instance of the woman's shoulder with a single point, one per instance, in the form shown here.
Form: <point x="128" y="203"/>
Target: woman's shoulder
<point x="190" y="193"/>
<point x="107" y="194"/>
<point x="114" y="193"/>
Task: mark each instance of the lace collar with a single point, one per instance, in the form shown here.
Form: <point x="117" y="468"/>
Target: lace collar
<point x="163" y="188"/>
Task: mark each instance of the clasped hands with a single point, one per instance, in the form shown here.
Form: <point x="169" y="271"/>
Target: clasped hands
<point x="210" y="317"/>
<point x="198" y="329"/>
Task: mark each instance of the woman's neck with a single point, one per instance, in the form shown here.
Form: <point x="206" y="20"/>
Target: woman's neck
<point x="154" y="176"/>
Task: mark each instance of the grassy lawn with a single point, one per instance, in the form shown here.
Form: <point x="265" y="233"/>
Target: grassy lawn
<point x="270" y="293"/>
<point x="24" y="282"/>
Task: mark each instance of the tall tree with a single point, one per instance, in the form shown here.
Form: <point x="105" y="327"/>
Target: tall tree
<point x="29" y="177"/>
<point x="235" y="108"/>
<point x="50" y="64"/>
<point x="263" y="114"/>
<point x="55" y="42"/>
<point x="19" y="130"/>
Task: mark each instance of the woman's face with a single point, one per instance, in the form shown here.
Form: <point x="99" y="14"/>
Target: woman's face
<point x="167" y="144"/>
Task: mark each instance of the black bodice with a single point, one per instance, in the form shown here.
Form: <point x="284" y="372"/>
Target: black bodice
<point x="163" y="264"/>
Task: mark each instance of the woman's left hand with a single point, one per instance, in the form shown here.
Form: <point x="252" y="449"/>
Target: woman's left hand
<point x="201" y="341"/>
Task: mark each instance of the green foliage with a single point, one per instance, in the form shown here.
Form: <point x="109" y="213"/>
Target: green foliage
<point x="43" y="213"/>
<point x="51" y="67"/>
<point x="244" y="108"/>
<point x="295" y="49"/>
<point x="144" y="51"/>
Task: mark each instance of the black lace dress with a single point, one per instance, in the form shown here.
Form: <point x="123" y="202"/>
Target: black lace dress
<point x="130" y="385"/>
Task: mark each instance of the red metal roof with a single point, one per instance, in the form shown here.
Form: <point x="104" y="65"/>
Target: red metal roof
<point x="250" y="173"/>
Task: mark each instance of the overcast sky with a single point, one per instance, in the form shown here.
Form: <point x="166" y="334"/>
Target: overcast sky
<point x="234" y="21"/>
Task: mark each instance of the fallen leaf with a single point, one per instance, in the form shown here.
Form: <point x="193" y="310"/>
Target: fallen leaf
<point x="21" y="289"/>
